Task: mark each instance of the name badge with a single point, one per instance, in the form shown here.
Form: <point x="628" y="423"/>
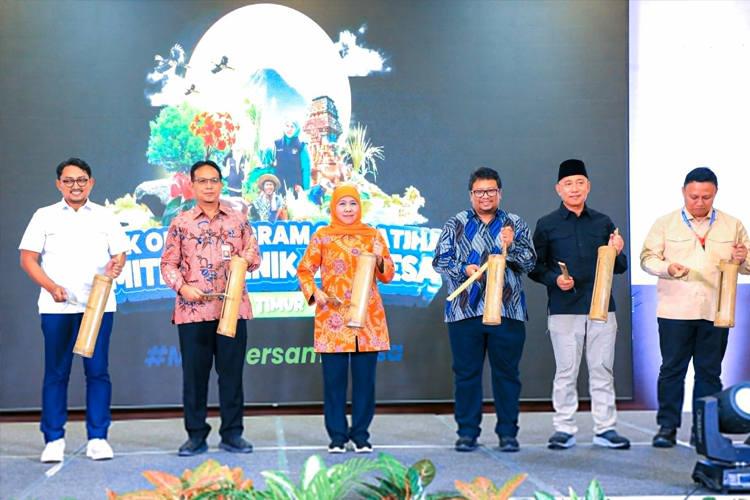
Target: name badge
<point x="226" y="252"/>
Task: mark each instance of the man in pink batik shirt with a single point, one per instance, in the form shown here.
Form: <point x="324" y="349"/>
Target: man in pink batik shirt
<point x="195" y="262"/>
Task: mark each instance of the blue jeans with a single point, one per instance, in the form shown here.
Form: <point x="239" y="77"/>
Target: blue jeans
<point x="471" y="342"/>
<point x="679" y="341"/>
<point x="60" y="333"/>
<point x="335" y="381"/>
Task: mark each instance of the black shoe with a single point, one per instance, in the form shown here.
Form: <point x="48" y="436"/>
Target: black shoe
<point x="193" y="446"/>
<point x="665" y="438"/>
<point x="337" y="447"/>
<point x="509" y="443"/>
<point x="561" y="441"/>
<point x="236" y="444"/>
<point x="466" y="443"/>
<point x="611" y="439"/>
<point x="362" y="447"/>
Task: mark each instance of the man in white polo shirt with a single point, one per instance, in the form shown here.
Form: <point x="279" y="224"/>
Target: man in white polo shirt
<point x="64" y="246"/>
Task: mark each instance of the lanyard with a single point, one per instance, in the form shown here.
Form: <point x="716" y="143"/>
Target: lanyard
<point x="702" y="240"/>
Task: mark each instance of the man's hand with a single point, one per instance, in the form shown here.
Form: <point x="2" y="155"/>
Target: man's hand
<point x="677" y="270"/>
<point x="615" y="240"/>
<point x="58" y="293"/>
<point x="191" y="293"/>
<point x="113" y="267"/>
<point x="564" y="284"/>
<point x="507" y="234"/>
<point x="249" y="254"/>
<point x="471" y="269"/>
<point x="739" y="252"/>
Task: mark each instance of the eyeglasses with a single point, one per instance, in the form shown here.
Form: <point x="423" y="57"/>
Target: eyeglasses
<point x="481" y="193"/>
<point x="81" y="181"/>
<point x="202" y="181"/>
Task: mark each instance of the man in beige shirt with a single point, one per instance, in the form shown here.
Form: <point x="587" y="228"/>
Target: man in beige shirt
<point x="683" y="248"/>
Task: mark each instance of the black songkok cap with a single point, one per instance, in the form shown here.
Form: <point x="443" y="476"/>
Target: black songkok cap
<point x="571" y="167"/>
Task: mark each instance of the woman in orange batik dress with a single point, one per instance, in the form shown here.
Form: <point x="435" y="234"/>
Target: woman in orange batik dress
<point x="334" y="250"/>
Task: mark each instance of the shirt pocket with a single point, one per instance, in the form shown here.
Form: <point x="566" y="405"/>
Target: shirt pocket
<point x="562" y="234"/>
<point x="719" y="246"/>
<point x="597" y="236"/>
<point x="99" y="239"/>
<point x="679" y="249"/>
<point x="231" y="236"/>
<point x="562" y="245"/>
<point x="67" y="240"/>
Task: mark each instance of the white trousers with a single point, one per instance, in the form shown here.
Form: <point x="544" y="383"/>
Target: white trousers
<point x="569" y="333"/>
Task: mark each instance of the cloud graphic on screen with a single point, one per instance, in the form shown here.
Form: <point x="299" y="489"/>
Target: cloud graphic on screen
<point x="166" y="81"/>
<point x="169" y="89"/>
<point x="358" y="59"/>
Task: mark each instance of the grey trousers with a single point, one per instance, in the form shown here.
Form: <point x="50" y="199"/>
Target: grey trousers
<point x="569" y="334"/>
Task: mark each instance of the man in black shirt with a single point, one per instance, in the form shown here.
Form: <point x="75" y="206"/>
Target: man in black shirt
<point x="572" y="234"/>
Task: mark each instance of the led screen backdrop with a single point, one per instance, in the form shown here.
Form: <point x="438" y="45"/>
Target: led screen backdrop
<point x="401" y="98"/>
<point x="689" y="75"/>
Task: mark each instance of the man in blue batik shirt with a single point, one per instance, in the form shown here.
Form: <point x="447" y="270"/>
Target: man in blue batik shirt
<point x="465" y="244"/>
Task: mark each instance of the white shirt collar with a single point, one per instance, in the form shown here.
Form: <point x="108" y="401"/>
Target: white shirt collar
<point x="64" y="205"/>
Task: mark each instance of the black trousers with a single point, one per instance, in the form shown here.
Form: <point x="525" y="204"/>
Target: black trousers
<point x="679" y="341"/>
<point x="199" y="346"/>
<point x="335" y="381"/>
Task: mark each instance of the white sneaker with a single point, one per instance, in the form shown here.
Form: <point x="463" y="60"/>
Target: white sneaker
<point x="99" y="449"/>
<point x="54" y="451"/>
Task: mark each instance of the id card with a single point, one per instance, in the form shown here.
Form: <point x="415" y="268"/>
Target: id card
<point x="226" y="252"/>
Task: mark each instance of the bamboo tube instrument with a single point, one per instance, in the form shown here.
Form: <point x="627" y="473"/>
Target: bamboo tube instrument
<point x="364" y="275"/>
<point x="92" y="316"/>
<point x="493" y="292"/>
<point x="605" y="268"/>
<point x="236" y="287"/>
<point x="726" y="299"/>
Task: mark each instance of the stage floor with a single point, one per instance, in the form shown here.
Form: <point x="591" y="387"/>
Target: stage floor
<point x="284" y="442"/>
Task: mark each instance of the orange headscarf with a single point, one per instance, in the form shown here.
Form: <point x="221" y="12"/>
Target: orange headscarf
<point x="337" y="226"/>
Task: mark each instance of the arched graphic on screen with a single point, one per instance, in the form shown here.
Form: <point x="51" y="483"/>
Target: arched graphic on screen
<point x="265" y="94"/>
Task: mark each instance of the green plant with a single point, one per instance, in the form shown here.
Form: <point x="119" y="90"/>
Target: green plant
<point x="484" y="489"/>
<point x="361" y="153"/>
<point x="593" y="492"/>
<point x="210" y="480"/>
<point x="317" y="482"/>
<point x="400" y="482"/>
<point x="254" y="113"/>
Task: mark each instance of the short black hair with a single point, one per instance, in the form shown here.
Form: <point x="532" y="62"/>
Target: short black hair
<point x="701" y="174"/>
<point x="203" y="163"/>
<point x="75" y="162"/>
<point x="484" y="173"/>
